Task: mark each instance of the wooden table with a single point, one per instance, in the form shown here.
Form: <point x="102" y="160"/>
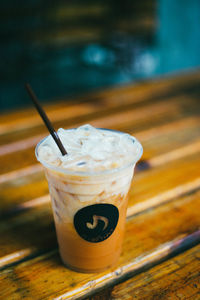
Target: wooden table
<point x="160" y="258"/>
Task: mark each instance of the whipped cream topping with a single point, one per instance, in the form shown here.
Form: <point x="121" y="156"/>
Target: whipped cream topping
<point x="90" y="149"/>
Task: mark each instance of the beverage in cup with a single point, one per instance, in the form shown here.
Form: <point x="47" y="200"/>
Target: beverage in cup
<point x="88" y="188"/>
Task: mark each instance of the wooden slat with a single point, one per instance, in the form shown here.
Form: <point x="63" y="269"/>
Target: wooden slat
<point x="180" y="133"/>
<point x="104" y="118"/>
<point x="164" y="116"/>
<point x="157" y="181"/>
<point x="72" y="115"/>
<point x="144" y="233"/>
<point x="188" y="127"/>
<point x="111" y="98"/>
<point x="149" y="189"/>
<point x="26" y="156"/>
<point x="21" y="188"/>
<point x="157" y="111"/>
<point x="177" y="278"/>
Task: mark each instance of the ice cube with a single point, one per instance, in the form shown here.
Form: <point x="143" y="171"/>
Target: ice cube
<point x="88" y="130"/>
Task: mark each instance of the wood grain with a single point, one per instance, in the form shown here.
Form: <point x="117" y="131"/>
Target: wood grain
<point x="163" y="212"/>
<point x="175" y="279"/>
<point x="144" y="234"/>
<point x="146" y="185"/>
<point x="189" y="128"/>
<point x="107" y="103"/>
<point x="149" y="189"/>
<point x="20" y="187"/>
<point x="110" y="98"/>
<point x="24" y="156"/>
<point x="105" y="118"/>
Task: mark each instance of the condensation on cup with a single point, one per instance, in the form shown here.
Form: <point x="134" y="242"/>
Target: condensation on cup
<point x="89" y="188"/>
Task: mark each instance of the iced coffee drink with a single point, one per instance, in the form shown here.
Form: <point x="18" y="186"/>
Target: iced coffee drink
<point x="88" y="189"/>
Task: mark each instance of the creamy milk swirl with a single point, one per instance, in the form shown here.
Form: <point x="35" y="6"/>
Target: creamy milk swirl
<point x="90" y="149"/>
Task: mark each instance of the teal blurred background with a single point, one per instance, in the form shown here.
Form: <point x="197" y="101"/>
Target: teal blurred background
<point x="68" y="48"/>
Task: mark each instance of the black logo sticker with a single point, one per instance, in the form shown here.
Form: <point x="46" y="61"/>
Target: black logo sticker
<point x="95" y="223"/>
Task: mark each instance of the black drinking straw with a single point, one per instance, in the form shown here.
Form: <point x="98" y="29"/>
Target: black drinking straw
<point x="45" y="119"/>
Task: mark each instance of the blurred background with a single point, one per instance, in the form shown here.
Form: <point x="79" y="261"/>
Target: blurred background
<point x="69" y="48"/>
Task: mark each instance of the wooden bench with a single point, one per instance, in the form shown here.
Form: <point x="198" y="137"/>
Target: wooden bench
<point x="160" y="258"/>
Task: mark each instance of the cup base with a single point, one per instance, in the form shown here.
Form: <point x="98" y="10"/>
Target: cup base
<point x="99" y="270"/>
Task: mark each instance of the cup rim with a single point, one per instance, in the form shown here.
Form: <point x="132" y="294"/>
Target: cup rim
<point x="93" y="173"/>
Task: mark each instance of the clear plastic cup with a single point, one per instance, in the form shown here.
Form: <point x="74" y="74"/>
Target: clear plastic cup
<point x="89" y="211"/>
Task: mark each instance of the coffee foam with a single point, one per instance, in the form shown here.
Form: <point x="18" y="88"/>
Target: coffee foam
<point x="90" y="149"/>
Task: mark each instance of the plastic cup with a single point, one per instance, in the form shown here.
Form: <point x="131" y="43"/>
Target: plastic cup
<point x="89" y="211"/>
